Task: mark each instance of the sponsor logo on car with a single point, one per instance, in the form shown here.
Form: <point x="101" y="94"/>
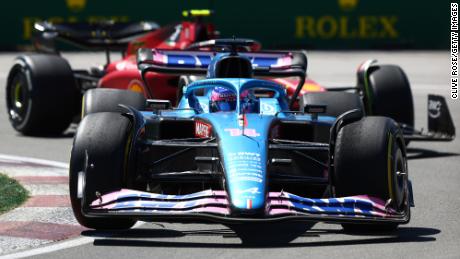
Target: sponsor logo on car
<point x="202" y="129"/>
<point x="434" y="108"/>
<point x="253" y="190"/>
<point x="246" y="132"/>
<point x="136" y="86"/>
<point x="267" y="108"/>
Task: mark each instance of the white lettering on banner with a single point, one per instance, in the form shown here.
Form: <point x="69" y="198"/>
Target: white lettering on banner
<point x="453" y="51"/>
<point x="202" y="130"/>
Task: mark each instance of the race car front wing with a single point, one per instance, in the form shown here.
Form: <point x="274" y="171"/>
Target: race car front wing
<point x="214" y="206"/>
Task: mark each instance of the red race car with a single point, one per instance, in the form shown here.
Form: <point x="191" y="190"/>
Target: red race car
<point x="43" y="92"/>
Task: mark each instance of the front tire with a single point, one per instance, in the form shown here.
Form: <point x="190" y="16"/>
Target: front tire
<point x="369" y="159"/>
<point x="105" y="138"/>
<point x="108" y="100"/>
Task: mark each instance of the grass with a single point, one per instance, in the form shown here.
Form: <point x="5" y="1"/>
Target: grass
<point x="12" y="194"/>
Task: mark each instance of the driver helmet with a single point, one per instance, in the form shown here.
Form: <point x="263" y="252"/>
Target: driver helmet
<point x="222" y="99"/>
<point x="248" y="102"/>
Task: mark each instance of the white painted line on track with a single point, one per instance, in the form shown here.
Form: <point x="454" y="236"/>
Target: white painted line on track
<point x="55" y="247"/>
<point x="34" y="160"/>
<point x="14" y="244"/>
<point x="51" y="248"/>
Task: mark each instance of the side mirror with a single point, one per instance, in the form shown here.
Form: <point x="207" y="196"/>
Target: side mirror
<point x="315" y="109"/>
<point x="157" y="104"/>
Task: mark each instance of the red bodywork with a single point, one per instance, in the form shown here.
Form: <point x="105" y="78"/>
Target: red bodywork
<point x="124" y="74"/>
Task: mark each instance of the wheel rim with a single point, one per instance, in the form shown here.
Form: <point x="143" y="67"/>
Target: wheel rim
<point x="18" y="95"/>
<point x="400" y="175"/>
<point x="18" y="98"/>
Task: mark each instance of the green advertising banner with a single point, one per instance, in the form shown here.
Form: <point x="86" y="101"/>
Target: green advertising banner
<point x="328" y="24"/>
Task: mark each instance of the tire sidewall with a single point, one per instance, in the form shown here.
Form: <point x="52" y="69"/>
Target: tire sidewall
<point x="391" y="142"/>
<point x="391" y="94"/>
<point x="51" y="89"/>
<point x="102" y="173"/>
<point x="392" y="149"/>
<point x="20" y="67"/>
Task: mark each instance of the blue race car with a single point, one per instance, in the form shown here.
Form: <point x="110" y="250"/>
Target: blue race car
<point x="234" y="150"/>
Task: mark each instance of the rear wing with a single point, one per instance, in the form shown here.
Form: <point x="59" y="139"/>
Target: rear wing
<point x="104" y="35"/>
<point x="264" y="64"/>
<point x="180" y="62"/>
<point x="210" y="44"/>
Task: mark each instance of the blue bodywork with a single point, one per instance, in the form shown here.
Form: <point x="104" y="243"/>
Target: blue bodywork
<point x="242" y="137"/>
<point x="207" y="60"/>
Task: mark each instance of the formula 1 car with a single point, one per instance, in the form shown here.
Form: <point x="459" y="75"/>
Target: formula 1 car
<point x="235" y="150"/>
<point x="43" y="93"/>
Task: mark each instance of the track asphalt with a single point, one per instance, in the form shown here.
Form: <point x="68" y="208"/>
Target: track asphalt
<point x="433" y="167"/>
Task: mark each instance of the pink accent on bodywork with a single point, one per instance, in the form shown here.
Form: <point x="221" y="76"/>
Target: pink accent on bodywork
<point x="216" y="202"/>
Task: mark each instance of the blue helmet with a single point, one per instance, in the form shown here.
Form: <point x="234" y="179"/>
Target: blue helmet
<point x="222" y="99"/>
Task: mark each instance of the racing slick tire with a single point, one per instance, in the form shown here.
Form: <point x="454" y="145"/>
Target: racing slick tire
<point x="391" y="95"/>
<point x="370" y="159"/>
<point x="41" y="94"/>
<point x="108" y="100"/>
<point x="184" y="81"/>
<point x="101" y="140"/>
<point x="336" y="102"/>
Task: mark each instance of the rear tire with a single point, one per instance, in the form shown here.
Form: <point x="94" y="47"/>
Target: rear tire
<point x="185" y="81"/>
<point x="367" y="157"/>
<point x="41" y="94"/>
<point x="391" y="94"/>
<point x="105" y="137"/>
<point x="108" y="100"/>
